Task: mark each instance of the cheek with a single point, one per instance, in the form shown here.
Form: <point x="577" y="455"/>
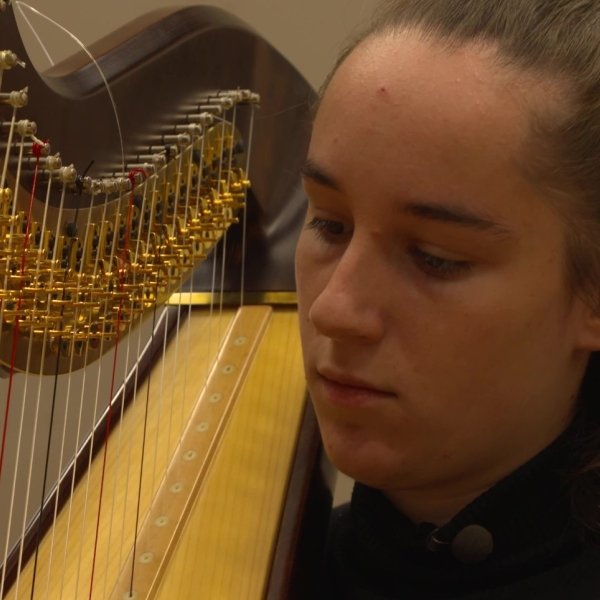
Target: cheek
<point x="488" y="343"/>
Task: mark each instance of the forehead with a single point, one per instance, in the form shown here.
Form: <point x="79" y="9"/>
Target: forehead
<point x="403" y="89"/>
<point x="405" y="121"/>
<point x="393" y="67"/>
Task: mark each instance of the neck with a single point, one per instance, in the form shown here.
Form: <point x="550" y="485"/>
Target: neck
<point x="440" y="502"/>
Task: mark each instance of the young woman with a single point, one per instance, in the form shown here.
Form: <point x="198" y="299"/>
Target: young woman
<point x="449" y="286"/>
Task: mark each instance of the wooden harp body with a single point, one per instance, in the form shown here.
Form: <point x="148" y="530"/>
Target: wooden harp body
<point x="115" y="483"/>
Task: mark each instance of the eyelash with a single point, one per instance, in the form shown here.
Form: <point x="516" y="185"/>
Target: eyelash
<point x="327" y="230"/>
<point x="435" y="266"/>
<point x="442" y="268"/>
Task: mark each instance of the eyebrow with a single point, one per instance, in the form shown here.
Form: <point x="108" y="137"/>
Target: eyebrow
<point x="455" y="215"/>
<point x="311" y="170"/>
<point x="443" y="213"/>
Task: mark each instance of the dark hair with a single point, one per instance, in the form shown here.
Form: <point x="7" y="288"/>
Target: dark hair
<point x="556" y="41"/>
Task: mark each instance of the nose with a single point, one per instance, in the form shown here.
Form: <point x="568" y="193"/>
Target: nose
<point x="350" y="304"/>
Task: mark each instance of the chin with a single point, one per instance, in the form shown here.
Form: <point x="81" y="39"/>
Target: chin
<point x="356" y="454"/>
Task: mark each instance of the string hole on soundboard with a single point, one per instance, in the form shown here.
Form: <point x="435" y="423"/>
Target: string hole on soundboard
<point x="161" y="521"/>
<point x="240" y="341"/>
<point x="216" y="397"/>
<point x="228" y="369"/>
<point x="131" y="595"/>
<point x="176" y="488"/>
<point x="190" y="455"/>
<point x="202" y="427"/>
<point x="146" y="558"/>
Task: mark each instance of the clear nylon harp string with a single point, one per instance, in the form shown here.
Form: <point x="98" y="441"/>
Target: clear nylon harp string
<point x="20" y="6"/>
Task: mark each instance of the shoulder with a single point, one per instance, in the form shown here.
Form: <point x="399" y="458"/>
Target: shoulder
<point x="357" y="566"/>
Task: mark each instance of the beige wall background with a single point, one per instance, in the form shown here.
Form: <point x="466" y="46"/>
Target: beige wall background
<point x="309" y="33"/>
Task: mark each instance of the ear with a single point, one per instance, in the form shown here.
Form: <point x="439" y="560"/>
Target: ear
<point x="588" y="328"/>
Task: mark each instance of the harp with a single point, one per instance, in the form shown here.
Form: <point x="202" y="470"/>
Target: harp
<point x="115" y="483"/>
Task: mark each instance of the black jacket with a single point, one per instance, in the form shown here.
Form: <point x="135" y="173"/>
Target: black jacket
<point x="525" y="544"/>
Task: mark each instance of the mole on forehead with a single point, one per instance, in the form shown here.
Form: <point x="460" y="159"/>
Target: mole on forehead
<point x="445" y="84"/>
<point x="383" y="63"/>
<point x="386" y="73"/>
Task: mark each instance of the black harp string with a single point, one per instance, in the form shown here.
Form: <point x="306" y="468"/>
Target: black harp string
<point x="126" y="210"/>
<point x="136" y="373"/>
<point x="127" y="340"/>
<point x="72" y="230"/>
<point x="61" y="341"/>
<point x="48" y="444"/>
<point x="143" y="452"/>
<point x="79" y="424"/>
<point x="73" y="238"/>
<point x="72" y="234"/>
<point x="57" y="499"/>
<point x="113" y="395"/>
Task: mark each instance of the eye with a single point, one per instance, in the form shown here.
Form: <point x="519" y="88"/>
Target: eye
<point x="437" y="266"/>
<point x="327" y="230"/>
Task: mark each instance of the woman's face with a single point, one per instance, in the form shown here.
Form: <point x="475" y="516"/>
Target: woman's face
<point x="442" y="344"/>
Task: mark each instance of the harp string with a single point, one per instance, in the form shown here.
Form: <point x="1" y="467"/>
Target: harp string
<point x="119" y="350"/>
<point x="39" y="393"/>
<point x="224" y="255"/>
<point x="129" y="466"/>
<point x="11" y="133"/>
<point x="224" y="243"/>
<point x="173" y="403"/>
<point x="129" y="442"/>
<point x="245" y="213"/>
<point x="185" y="344"/>
<point x="149" y="382"/>
<point x="26" y="239"/>
<point x="2" y="310"/>
<point x="79" y="441"/>
<point x="13" y="352"/>
<point x="186" y="331"/>
<point x="16" y="327"/>
<point x="53" y="405"/>
<point x="65" y="420"/>
<point x="11" y="378"/>
<point x="124" y="259"/>
<point x="21" y="421"/>
<point x="20" y="6"/>
<point x="35" y="33"/>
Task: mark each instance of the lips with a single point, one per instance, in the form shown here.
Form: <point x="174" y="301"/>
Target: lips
<point x="346" y="390"/>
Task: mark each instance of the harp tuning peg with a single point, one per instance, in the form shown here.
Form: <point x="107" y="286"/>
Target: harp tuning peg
<point x="26" y="128"/>
<point x="8" y="60"/>
<point x="16" y="99"/>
